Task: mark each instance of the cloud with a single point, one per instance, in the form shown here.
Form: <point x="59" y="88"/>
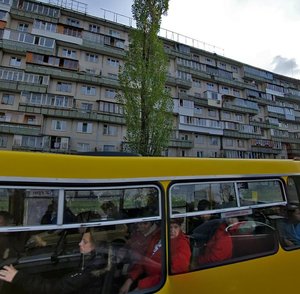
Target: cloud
<point x="285" y="66"/>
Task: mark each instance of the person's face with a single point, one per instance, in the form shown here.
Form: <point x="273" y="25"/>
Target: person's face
<point x="174" y="230"/>
<point x="296" y="215"/>
<point x="86" y="244"/>
<point x="144" y="227"/>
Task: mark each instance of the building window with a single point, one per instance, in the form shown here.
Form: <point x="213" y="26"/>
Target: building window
<point x="3" y="141"/>
<point x="77" y="33"/>
<point x="224" y="90"/>
<point x="86" y="106"/>
<point x="196" y="83"/>
<point x="8" y="99"/>
<point x="2" y="14"/>
<point x="110" y="107"/>
<point x="239" y="117"/>
<point x="213" y="141"/>
<point x="45" y="26"/>
<point x="199" y="139"/>
<point x="88" y="90"/>
<point x="84" y="127"/>
<point x="23" y="27"/>
<point x="83" y="147"/>
<point x="15" y="61"/>
<point x="199" y="153"/>
<point x="229" y="142"/>
<point x="73" y="22"/>
<point x="69" y="53"/>
<point x="110" y="93"/>
<point x="234" y="68"/>
<point x="110" y="130"/>
<point x="59" y="125"/>
<point x="241" y="143"/>
<point x="113" y="62"/>
<point x="222" y="65"/>
<point x="210" y="86"/>
<point x="236" y="93"/>
<point x="94" y="28"/>
<point x="109" y="148"/>
<point x="30" y="119"/>
<point x="64" y="87"/>
<point x="91" y="57"/>
<point x="212" y="113"/>
<point x="114" y="33"/>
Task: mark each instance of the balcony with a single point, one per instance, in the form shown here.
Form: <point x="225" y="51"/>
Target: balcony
<point x="21" y="14"/>
<point x="195" y="72"/>
<point x="73" y="114"/>
<point x="263" y="125"/>
<point x="265" y="150"/>
<point x="177" y="143"/>
<point x="237" y="134"/>
<point x="74" y="76"/>
<point x="234" y="83"/>
<point x="21" y="47"/>
<point x="231" y="106"/>
<point x="19" y="129"/>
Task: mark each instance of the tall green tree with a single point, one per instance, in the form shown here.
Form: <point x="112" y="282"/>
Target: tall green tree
<point x="147" y="103"/>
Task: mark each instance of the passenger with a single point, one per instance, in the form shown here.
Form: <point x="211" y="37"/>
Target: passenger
<point x="110" y="210"/>
<point x="215" y="240"/>
<point x="180" y="247"/>
<point x="7" y="240"/>
<point x="6" y="219"/>
<point x="148" y="273"/>
<point x="140" y="238"/>
<point x="86" y="279"/>
<point x="291" y="228"/>
<point x="50" y="216"/>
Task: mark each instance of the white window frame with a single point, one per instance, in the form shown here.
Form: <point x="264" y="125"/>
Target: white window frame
<point x="84" y="127"/>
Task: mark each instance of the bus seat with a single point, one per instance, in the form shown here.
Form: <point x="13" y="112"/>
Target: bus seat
<point x="250" y="244"/>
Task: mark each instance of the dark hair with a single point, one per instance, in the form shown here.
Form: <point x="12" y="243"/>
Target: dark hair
<point x="8" y="219"/>
<point x="291" y="208"/>
<point x="204" y="204"/>
<point x="178" y="221"/>
<point x="108" y="205"/>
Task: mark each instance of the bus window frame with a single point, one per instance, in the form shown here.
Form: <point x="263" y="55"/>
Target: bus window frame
<point x="61" y="198"/>
<point x="62" y="187"/>
<point x="227" y="209"/>
<point x="171" y="215"/>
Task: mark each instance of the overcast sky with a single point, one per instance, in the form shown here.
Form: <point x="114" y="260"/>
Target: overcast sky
<point x="262" y="33"/>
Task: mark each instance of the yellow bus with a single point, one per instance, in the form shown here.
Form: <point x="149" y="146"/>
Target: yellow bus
<point x="237" y="215"/>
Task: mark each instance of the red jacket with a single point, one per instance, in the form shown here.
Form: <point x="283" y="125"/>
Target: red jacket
<point x="151" y="264"/>
<point x="180" y="254"/>
<point x="218" y="248"/>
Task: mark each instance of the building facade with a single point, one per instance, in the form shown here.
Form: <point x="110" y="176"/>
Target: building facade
<point x="59" y="80"/>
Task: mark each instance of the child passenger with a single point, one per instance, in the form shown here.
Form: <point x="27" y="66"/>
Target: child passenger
<point x="148" y="273"/>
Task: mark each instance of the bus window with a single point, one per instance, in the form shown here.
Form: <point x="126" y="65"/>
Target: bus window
<point x="259" y="192"/>
<point x="27" y="205"/>
<point x="233" y="221"/>
<point x="112" y="204"/>
<point x="293" y="189"/>
<point x="124" y="222"/>
<point x="188" y="198"/>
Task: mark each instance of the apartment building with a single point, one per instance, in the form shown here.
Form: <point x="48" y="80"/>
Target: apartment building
<point x="59" y="80"/>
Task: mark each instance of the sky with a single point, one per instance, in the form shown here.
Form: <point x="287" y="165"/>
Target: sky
<point x="261" y="33"/>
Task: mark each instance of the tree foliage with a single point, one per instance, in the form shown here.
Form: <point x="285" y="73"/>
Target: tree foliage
<point x="147" y="104"/>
